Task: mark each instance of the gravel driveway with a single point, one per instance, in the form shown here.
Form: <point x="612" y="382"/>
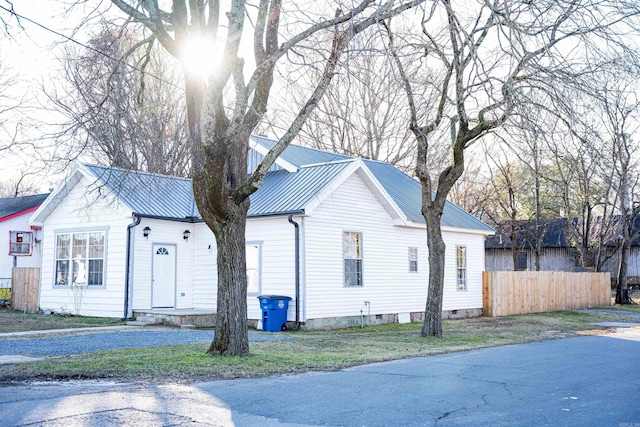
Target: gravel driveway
<point x="89" y="342"/>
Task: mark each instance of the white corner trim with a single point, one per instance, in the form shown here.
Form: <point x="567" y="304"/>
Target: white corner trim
<point x="59" y="193"/>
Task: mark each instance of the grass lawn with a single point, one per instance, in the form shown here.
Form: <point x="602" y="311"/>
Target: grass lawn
<point x="17" y="321"/>
<point x="313" y="350"/>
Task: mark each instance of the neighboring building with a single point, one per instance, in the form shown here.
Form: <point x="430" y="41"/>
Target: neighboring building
<point x="556" y="252"/>
<point x="20" y="246"/>
<point x="362" y="243"/>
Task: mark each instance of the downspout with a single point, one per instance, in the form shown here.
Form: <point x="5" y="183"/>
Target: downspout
<point x="127" y="268"/>
<point x="297" y="255"/>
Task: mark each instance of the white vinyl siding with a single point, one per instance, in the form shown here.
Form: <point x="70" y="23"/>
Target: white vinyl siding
<point x="472" y="297"/>
<point x="388" y="285"/>
<point x="80" y="209"/>
<point x="277" y="261"/>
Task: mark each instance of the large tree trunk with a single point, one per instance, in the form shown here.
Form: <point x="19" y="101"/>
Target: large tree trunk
<point x="231" y="321"/>
<point x="432" y="326"/>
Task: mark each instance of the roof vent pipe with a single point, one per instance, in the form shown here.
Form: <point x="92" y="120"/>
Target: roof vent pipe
<point x="297" y="262"/>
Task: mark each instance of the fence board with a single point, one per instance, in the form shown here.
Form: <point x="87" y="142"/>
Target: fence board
<point x="25" y="285"/>
<point x="520" y="292"/>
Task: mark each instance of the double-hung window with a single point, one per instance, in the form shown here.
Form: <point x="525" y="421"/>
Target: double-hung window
<point x="80" y="258"/>
<point x="253" y="268"/>
<point x="461" y="267"/>
<point x="413" y="260"/>
<point x="352" y="253"/>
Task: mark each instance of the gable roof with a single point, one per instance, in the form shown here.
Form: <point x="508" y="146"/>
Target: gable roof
<point x="14" y="206"/>
<point x="282" y="192"/>
<point x="300" y="156"/>
<point x="405" y="191"/>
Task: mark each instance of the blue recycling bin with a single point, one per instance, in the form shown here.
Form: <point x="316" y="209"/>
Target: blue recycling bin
<point x="274" y="312"/>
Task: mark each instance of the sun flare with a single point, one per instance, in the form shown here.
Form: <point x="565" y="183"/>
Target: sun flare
<point x="200" y="57"/>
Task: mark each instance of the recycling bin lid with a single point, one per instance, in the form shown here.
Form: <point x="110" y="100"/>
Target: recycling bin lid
<point x="274" y="297"/>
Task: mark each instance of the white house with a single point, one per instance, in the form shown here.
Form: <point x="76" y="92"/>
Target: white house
<point x="19" y="240"/>
<point x="117" y="242"/>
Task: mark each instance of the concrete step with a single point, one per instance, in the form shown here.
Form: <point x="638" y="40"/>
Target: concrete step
<point x="137" y="323"/>
<point x="146" y="321"/>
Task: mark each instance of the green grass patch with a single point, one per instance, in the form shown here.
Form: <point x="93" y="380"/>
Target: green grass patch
<point x="627" y="307"/>
<point x="310" y="350"/>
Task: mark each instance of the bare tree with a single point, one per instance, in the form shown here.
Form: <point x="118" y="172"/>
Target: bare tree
<point x="360" y="115"/>
<point x="225" y="106"/>
<point x="22" y="185"/>
<point x="622" y="110"/>
<point x="493" y="56"/>
<point x="126" y="114"/>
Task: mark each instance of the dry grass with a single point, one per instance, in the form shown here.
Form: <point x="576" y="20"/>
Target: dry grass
<point x="17" y="321"/>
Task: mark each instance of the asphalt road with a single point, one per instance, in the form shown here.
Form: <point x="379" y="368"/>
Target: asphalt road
<point x="583" y="381"/>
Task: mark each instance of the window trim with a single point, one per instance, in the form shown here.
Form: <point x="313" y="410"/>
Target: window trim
<point x="461" y="287"/>
<point x="258" y="244"/>
<point x="360" y="278"/>
<point x="87" y="230"/>
<point x="11" y="242"/>
<point x="414" y="260"/>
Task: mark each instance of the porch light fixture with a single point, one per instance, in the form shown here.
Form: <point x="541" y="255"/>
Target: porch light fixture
<point x="186" y="234"/>
<point x="145" y="232"/>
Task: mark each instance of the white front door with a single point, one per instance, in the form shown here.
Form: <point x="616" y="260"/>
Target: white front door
<point x="163" y="279"/>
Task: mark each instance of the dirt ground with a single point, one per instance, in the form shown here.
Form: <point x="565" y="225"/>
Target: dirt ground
<point x="17" y="321"/>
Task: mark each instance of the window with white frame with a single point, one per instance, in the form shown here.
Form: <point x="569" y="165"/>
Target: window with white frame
<point x="352" y="253"/>
<point x="461" y="264"/>
<point x="80" y="258"/>
<point x="413" y="260"/>
<point x="253" y="268"/>
<point x="20" y="243"/>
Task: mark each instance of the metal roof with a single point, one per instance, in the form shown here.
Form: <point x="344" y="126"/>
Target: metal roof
<point x="13" y="205"/>
<point x="147" y="194"/>
<point x="288" y="192"/>
<point x="301" y="156"/>
<point x="407" y="193"/>
<point x="170" y="197"/>
<point x="282" y="192"/>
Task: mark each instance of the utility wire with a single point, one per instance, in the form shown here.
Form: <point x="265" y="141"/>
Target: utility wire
<point x="65" y="37"/>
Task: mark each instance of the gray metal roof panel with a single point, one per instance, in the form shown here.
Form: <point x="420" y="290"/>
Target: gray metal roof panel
<point x="149" y="194"/>
<point x="406" y="192"/>
<point x="300" y="156"/>
<point x="13" y="205"/>
<point x="284" y="191"/>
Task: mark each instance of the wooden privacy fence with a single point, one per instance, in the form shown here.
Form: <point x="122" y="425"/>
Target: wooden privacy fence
<point x="25" y="285"/>
<point x="520" y="292"/>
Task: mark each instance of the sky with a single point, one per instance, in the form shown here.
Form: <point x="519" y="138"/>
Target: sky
<point x="26" y="53"/>
<point x="31" y="55"/>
